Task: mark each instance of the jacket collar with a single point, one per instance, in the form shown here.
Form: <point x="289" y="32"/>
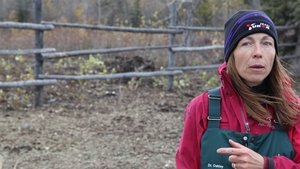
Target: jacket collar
<point x="225" y="79"/>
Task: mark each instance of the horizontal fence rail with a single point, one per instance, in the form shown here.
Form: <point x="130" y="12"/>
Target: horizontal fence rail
<point x="200" y="67"/>
<point x="57" y="55"/>
<point x="287" y="44"/>
<point x="31" y="26"/>
<point x="27" y="83"/>
<point x="202" y="48"/>
<point x="198" y="28"/>
<point x="25" y="52"/>
<point x="196" y="49"/>
<point x="115" y="29"/>
<point x="296" y="56"/>
<point x="112" y="76"/>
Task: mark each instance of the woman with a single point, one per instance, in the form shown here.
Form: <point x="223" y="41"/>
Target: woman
<point x="252" y="120"/>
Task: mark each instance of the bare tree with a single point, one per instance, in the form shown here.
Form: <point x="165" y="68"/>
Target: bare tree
<point x="254" y="4"/>
<point x="99" y="11"/>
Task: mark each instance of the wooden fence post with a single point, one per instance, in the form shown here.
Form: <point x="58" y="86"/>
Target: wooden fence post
<point x="172" y="59"/>
<point x="297" y="52"/>
<point x="38" y="91"/>
<point x="187" y="33"/>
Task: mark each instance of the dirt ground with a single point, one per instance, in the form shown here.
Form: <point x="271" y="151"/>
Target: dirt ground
<point x="102" y="126"/>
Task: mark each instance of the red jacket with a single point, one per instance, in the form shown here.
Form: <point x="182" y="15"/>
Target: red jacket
<point x="195" y="123"/>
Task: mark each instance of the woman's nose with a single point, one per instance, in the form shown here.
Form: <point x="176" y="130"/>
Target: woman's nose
<point x="257" y="51"/>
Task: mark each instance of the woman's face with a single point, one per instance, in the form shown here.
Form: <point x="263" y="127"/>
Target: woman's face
<point x="254" y="56"/>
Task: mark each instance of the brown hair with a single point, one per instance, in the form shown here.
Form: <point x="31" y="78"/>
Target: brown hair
<point x="280" y="95"/>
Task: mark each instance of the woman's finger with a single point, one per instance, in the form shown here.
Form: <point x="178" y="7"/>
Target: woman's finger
<point x="235" y="144"/>
<point x="228" y="151"/>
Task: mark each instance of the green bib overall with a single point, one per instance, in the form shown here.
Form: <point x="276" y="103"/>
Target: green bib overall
<point x="269" y="144"/>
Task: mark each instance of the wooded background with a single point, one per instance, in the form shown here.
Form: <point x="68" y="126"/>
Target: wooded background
<point x="142" y="13"/>
<point x="127" y="14"/>
<point x="154" y="13"/>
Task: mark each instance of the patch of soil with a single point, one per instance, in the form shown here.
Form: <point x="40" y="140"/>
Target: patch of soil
<point x="108" y="127"/>
<point x="100" y="125"/>
<point x="130" y="64"/>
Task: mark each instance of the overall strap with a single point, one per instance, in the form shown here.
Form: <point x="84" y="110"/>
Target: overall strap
<point x="214" y="108"/>
<point x="277" y="124"/>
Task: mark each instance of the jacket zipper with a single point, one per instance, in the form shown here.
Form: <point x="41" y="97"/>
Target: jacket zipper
<point x="246" y="124"/>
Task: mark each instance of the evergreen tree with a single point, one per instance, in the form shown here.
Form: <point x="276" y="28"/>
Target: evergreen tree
<point x="136" y="15"/>
<point x="287" y="13"/>
<point x="281" y="13"/>
<point x="23" y="12"/>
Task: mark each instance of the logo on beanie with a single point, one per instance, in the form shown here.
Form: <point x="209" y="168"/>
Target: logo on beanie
<point x="258" y="25"/>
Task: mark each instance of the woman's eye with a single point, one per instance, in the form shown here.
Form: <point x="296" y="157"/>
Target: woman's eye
<point x="246" y="44"/>
<point x="268" y="43"/>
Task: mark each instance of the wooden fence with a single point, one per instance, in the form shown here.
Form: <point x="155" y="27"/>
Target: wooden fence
<point x="42" y="54"/>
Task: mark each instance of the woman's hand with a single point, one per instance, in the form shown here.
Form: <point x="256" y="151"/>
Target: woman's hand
<point x="242" y="157"/>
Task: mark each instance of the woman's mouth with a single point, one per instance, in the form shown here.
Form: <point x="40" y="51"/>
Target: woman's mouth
<point x="257" y="66"/>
